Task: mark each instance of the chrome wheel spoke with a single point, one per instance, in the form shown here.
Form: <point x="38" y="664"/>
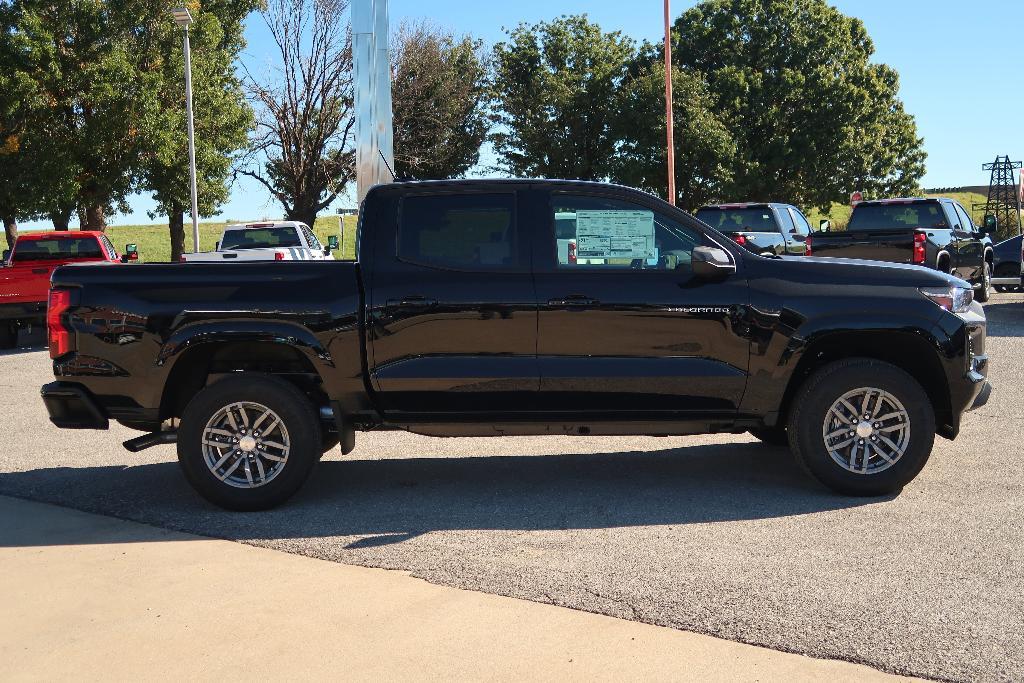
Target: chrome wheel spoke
<point x="228" y="471"/>
<point x="274" y="444"/>
<point x="260" y="469"/>
<point x="270" y="456"/>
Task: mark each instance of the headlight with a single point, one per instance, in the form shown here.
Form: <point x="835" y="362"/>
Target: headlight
<point x="954" y="299"/>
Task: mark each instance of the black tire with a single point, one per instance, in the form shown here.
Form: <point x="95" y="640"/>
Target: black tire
<point x="298" y="416"/>
<point x="985" y="291"/>
<point x="8" y="336"/>
<point x="813" y="402"/>
<point x="771" y="436"/>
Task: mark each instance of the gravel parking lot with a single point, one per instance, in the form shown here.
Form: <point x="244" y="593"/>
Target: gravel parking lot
<point x="717" y="534"/>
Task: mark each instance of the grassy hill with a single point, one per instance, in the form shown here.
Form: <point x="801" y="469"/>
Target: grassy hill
<point x="155" y="246"/>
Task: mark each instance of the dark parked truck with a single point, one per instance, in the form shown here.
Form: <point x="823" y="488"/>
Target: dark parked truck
<point x="462" y="317"/>
<point x="772" y="228"/>
<point x="934" y="233"/>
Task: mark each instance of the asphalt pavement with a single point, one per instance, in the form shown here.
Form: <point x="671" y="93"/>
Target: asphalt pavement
<point x="717" y="534"/>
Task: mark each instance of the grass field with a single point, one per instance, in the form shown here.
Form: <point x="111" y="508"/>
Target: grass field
<point x="155" y="246"/>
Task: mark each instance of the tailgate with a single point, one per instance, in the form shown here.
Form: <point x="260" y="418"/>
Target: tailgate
<point x="894" y="246"/>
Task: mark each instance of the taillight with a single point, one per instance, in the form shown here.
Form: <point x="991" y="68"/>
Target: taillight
<point x="807" y="246"/>
<point x="278" y="256"/>
<point x="739" y="239"/>
<point x="572" y="252"/>
<point x="58" y="335"/>
<point x="919" y="241"/>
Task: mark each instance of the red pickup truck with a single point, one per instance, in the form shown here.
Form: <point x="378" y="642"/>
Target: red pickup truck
<point x="25" y="273"/>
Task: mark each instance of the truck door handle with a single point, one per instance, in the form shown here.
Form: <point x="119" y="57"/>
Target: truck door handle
<point x="574" y="300"/>
<point x="412" y="302"/>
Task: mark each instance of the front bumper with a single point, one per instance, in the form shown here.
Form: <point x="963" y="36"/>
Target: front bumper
<point x="72" y="406"/>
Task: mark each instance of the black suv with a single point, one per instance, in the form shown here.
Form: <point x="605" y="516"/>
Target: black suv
<point x="935" y="233"/>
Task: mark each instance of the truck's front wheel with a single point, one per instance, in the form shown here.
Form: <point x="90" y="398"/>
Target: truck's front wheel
<point x="248" y="442"/>
<point x="862" y="427"/>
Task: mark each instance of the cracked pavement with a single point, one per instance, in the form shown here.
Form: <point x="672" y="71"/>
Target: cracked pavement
<point x="714" y="534"/>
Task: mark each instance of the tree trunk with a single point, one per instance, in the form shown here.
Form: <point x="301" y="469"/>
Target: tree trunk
<point x="10" y="230"/>
<point x="83" y="219"/>
<point x="176" y="227"/>
<point x="303" y="214"/>
<point x="95" y="219"/>
<point x="61" y="218"/>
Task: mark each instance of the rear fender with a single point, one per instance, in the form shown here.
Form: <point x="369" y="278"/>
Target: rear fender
<point x="278" y="332"/>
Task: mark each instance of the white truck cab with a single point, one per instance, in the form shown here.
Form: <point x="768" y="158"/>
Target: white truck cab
<point x="268" y="241"/>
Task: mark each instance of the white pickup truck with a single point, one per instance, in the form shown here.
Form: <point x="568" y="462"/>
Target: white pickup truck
<point x="271" y="241"/>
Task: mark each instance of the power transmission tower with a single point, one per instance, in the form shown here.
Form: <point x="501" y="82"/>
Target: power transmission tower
<point x="1004" y="195"/>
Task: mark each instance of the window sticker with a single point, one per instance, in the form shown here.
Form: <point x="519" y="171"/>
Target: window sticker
<point x="615" y="234"/>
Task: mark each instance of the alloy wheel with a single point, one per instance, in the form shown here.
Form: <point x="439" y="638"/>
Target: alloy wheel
<point x="866" y="431"/>
<point x="246" y="445"/>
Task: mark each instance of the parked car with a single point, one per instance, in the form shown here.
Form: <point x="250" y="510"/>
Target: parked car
<point x="274" y="241"/>
<point x="780" y="229"/>
<point x="934" y="233"/>
<point x="25" y="281"/>
<point x="1007" y="265"/>
<point x="460" y="319"/>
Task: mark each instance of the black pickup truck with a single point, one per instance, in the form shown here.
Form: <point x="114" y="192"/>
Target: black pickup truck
<point x="763" y="228"/>
<point x="462" y="317"/>
<point x="931" y="232"/>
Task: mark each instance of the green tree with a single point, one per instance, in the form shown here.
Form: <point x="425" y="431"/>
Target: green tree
<point x="812" y="116"/>
<point x="222" y="115"/>
<point x="558" y="86"/>
<point x="440" y="94"/>
<point x="704" y="147"/>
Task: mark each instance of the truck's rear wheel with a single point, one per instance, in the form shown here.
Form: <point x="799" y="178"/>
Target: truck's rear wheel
<point x="8" y="336"/>
<point x="862" y="427"/>
<point x="985" y="290"/>
<point x="248" y="442"/>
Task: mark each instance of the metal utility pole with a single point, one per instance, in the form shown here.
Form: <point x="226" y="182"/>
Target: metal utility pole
<point x="184" y="19"/>
<point x="670" y="136"/>
<point x="372" y="66"/>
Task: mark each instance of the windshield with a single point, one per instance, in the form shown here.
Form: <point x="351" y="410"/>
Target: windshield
<point x="739" y="220"/>
<point x="261" y="238"/>
<point x="897" y="216"/>
<point x="57" y="248"/>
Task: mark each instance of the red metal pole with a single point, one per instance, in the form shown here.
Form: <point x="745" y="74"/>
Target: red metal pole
<point x="670" y="141"/>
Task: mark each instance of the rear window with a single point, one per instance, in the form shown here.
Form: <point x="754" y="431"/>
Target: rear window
<point x="466" y="232"/>
<point x="896" y="216"/>
<point x="739" y="220"/>
<point x="261" y="238"/>
<point x="57" y="248"/>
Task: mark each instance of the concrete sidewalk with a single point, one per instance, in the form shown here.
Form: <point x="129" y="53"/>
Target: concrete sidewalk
<point x="95" y="598"/>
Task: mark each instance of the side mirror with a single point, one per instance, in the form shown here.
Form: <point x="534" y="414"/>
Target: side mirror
<point x="332" y="243"/>
<point x="711" y="263"/>
<point x="825" y="225"/>
<point x="990" y="225"/>
<point x="131" y="253"/>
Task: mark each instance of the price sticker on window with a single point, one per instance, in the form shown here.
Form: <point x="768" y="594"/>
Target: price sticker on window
<point x="615" y="234"/>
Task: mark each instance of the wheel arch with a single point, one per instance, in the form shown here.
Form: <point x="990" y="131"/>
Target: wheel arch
<point x="211" y="357"/>
<point x="909" y="351"/>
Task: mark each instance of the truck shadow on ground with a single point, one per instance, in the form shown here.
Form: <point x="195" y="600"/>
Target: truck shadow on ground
<point x="370" y="503"/>
<point x="1005" y="319"/>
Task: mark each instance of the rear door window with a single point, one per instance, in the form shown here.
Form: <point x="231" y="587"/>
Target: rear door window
<point x="867" y="217"/>
<point x="459" y="231"/>
<point x="802" y="226"/>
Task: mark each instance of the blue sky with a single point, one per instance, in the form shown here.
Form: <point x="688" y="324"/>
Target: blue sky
<point x="960" y="66"/>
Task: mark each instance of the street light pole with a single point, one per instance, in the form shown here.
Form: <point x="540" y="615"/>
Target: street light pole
<point x="183" y="18"/>
<point x="669" y="125"/>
